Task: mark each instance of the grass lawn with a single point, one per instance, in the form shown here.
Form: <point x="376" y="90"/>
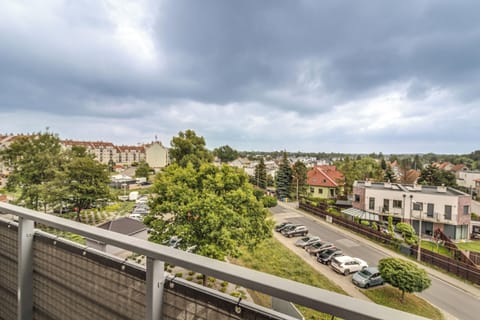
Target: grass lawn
<point x="470" y="245"/>
<point x="390" y="297"/>
<point x="272" y="257"/>
<point x="432" y="246"/>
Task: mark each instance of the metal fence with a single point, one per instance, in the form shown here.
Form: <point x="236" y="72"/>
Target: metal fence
<point x="155" y="279"/>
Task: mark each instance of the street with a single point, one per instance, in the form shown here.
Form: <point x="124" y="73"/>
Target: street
<point x="456" y="302"/>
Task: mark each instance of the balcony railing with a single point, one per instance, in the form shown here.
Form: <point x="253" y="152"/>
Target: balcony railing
<point x="319" y="299"/>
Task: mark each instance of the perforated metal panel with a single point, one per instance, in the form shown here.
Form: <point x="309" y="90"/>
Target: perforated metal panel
<point x="8" y="271"/>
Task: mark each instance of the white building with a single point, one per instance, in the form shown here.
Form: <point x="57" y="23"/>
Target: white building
<point x="467" y="178"/>
<point x="156" y="155"/>
<point x="439" y="207"/>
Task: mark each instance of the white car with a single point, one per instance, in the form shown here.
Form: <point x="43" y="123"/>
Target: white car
<point x="347" y="264"/>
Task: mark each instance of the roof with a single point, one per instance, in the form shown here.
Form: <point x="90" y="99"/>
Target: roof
<point x="410" y="188"/>
<point x="363" y="215"/>
<point x="124" y="225"/>
<point x="324" y="176"/>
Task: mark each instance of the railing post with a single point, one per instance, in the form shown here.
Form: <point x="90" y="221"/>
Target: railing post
<point x="25" y="269"/>
<point x="155" y="281"/>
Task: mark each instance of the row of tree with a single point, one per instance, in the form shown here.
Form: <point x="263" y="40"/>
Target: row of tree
<point x="46" y="176"/>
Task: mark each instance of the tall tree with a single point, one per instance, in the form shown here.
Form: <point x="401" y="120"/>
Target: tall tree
<point x="84" y="181"/>
<point x="299" y="178"/>
<point x="362" y="169"/>
<point x="433" y="176"/>
<point x="261" y="174"/>
<point x="188" y="147"/>
<point x="404" y="275"/>
<point x="389" y="174"/>
<point x="33" y="160"/>
<point x="225" y="153"/>
<point x="143" y="170"/>
<point x="284" y="178"/>
<point x="213" y="208"/>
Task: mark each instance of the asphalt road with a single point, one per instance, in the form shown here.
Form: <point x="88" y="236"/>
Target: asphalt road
<point x="456" y="302"/>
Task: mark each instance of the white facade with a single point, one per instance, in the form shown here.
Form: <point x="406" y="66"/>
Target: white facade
<point x="467" y="178"/>
<point x="438" y="207"/>
<point x="156" y="155"/>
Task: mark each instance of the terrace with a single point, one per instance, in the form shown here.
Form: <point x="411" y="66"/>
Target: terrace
<point x="46" y="277"/>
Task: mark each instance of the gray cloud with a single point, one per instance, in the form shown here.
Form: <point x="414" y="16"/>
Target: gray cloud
<point x="342" y="75"/>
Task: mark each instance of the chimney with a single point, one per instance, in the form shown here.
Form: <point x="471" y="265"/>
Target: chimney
<point x="442" y="188"/>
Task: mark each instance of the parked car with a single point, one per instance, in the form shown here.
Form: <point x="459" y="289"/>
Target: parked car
<point x="347" y="264"/>
<point x="318" y="247"/>
<point x="136" y="216"/>
<point x="306" y="241"/>
<point x="367" y="277"/>
<point x="295" y="231"/>
<point x="325" y="257"/>
<point x="283" y="225"/>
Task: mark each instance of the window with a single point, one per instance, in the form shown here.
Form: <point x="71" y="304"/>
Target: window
<point x="386" y="205"/>
<point x="430" y="210"/>
<point x="418" y="206"/>
<point x="312" y="190"/>
<point x="357" y="198"/>
<point x="466" y="209"/>
<point x="371" y="203"/>
<point x="448" y="212"/>
<point x="320" y="191"/>
<point x="397" y="204"/>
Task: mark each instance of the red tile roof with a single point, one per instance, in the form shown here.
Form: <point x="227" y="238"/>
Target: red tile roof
<point x="324" y="176"/>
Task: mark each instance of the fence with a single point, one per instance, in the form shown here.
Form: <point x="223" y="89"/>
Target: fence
<point x="460" y="269"/>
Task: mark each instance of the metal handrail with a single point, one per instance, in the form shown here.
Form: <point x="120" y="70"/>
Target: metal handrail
<point x="319" y="299"/>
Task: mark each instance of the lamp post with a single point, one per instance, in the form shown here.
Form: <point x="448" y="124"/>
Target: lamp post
<point x="419" y="254"/>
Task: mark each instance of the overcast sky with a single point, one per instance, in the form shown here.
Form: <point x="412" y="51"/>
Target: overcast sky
<point x="321" y="76"/>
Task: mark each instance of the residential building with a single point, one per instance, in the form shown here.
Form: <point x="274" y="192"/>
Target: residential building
<point x="324" y="182"/>
<point x="156" y="155"/>
<point x="438" y="207"/>
<point x="466" y="178"/>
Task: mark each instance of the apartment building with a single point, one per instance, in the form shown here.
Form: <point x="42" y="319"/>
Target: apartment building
<point x="438" y="207"/>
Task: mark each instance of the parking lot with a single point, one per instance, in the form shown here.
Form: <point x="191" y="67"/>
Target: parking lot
<point x="348" y="246"/>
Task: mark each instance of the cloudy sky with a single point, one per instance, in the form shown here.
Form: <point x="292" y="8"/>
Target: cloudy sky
<point x="301" y="75"/>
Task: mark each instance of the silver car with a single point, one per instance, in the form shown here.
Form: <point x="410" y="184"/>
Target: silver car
<point x="306" y="241"/>
<point x="367" y="277"/>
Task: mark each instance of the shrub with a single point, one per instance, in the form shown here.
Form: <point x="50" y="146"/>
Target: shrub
<point x="191" y="273"/>
<point x="407" y="232"/>
<point x="365" y="223"/>
<point x="258" y="194"/>
<point x="224" y="284"/>
<point x="189" y="278"/>
<point x="223" y="289"/>
<point x="269" y="201"/>
<point x="374" y="226"/>
<point x="178" y="274"/>
<point x="199" y="276"/>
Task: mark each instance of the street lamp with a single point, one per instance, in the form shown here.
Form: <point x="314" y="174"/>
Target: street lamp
<point x="419" y="254"/>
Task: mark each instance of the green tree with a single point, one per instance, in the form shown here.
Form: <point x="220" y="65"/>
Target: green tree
<point x="83" y="181"/>
<point x="33" y="161"/>
<point x="213" y="208"/>
<point x="435" y="177"/>
<point x="360" y="169"/>
<point x="188" y="147"/>
<point x="299" y="178"/>
<point x="284" y="178"/>
<point x="261" y="174"/>
<point x="225" y="153"/>
<point x="383" y="164"/>
<point x="143" y="170"/>
<point x="404" y="275"/>
<point x="389" y="174"/>
<point x="407" y="232"/>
